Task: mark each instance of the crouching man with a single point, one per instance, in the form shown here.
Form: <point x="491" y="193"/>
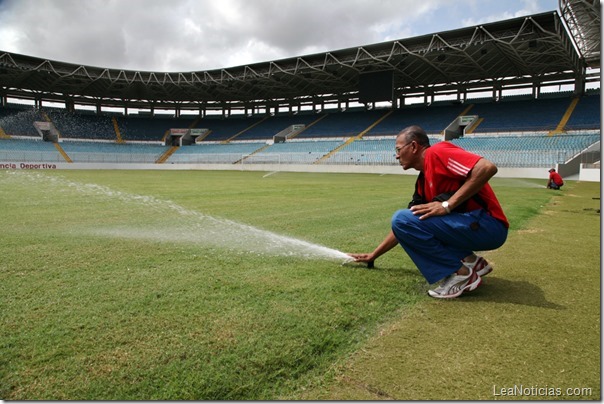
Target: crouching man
<point x="454" y="212"/>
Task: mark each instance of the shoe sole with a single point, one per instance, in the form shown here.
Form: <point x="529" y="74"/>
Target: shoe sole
<point x="437" y="296"/>
<point x="472" y="284"/>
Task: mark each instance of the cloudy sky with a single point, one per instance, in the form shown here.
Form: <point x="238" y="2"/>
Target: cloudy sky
<point x="192" y="35"/>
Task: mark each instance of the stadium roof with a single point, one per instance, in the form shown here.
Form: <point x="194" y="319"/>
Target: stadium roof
<point x="584" y="21"/>
<point x="531" y="51"/>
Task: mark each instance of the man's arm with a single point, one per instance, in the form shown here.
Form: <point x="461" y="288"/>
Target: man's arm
<point x="388" y="244"/>
<point x="477" y="178"/>
<point x="480" y="174"/>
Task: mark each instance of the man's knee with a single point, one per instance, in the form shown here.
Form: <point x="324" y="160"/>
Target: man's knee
<point x="402" y="218"/>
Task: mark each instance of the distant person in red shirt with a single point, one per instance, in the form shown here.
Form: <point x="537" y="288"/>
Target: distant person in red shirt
<point x="454" y="212"/>
<point x="555" y="180"/>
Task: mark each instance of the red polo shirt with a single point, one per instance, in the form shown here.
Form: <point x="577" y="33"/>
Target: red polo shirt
<point x="446" y="167"/>
<point x="554" y="176"/>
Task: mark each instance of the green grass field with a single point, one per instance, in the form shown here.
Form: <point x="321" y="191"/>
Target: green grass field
<point x="192" y="285"/>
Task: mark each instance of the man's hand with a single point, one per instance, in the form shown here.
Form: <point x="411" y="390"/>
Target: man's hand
<point x="362" y="257"/>
<point x="388" y="244"/>
<point x="428" y="209"/>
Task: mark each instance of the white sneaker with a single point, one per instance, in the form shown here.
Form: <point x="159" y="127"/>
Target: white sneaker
<point x="454" y="285"/>
<point x="481" y="266"/>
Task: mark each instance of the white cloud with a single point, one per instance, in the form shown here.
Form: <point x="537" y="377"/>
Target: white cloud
<point x="523" y="8"/>
<point x="188" y="35"/>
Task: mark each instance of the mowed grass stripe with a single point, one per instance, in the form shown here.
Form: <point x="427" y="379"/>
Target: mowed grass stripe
<point x="533" y="326"/>
<point x="86" y="317"/>
<point x="89" y="317"/>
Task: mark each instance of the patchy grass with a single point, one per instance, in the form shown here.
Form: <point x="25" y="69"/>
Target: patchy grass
<point x="531" y="331"/>
<point x="129" y="285"/>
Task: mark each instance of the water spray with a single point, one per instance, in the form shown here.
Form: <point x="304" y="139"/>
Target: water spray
<point x="187" y="226"/>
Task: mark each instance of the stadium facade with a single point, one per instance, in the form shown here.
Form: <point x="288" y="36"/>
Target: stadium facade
<point x="533" y="56"/>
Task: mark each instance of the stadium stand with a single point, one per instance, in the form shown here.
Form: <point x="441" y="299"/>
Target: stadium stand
<point x="587" y="113"/>
<point x="214" y="153"/>
<point x="18" y="121"/>
<point x="80" y="125"/>
<point x="28" y="150"/>
<point x="528" y="151"/>
<point x="295" y="152"/>
<point x="97" y="152"/>
<point x="342" y="124"/>
<point x="513" y="133"/>
<point x="538" y="108"/>
<point x="433" y="119"/>
<point x="368" y="151"/>
<point x="223" y="129"/>
<point x="268" y="128"/>
<point x="522" y="115"/>
<point x="148" y="128"/>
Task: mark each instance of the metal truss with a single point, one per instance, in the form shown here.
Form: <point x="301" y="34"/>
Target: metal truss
<point x="583" y="18"/>
<point x="526" y="51"/>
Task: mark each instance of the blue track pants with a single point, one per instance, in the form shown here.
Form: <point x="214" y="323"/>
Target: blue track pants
<point x="439" y="243"/>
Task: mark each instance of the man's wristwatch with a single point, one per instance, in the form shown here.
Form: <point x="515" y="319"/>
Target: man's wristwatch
<point x="446" y="206"/>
